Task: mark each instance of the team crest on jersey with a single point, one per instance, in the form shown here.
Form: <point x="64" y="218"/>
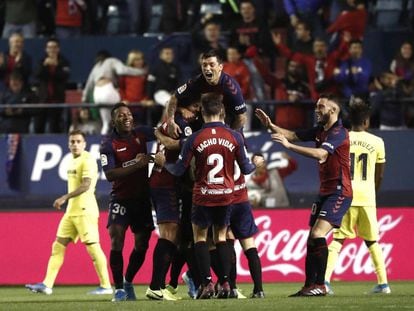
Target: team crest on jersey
<point x="188" y="131"/>
<point x="182" y="88"/>
<point x="104" y="160"/>
<point x="203" y="190"/>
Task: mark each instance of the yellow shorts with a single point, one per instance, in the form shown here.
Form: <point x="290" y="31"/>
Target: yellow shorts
<point x="359" y="222"/>
<point x="83" y="227"/>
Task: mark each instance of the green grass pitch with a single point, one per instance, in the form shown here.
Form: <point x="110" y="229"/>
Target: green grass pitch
<point x="348" y="296"/>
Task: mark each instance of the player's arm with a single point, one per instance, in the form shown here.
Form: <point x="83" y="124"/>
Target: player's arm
<point x="239" y="121"/>
<point x="379" y="174"/>
<point x="168" y="142"/>
<point x="127" y="168"/>
<point x="246" y="166"/>
<point x="173" y="129"/>
<point x="84" y="186"/>
<point x="178" y="168"/>
<point x="265" y="120"/>
<point x="319" y="154"/>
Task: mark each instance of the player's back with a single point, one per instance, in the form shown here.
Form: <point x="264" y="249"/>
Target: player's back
<point x="366" y="150"/>
<point x="215" y="149"/>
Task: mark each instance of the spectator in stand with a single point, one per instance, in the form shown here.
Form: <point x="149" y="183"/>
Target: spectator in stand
<point x="319" y="66"/>
<point x="353" y="21"/>
<point x="354" y="73"/>
<point x="206" y="36"/>
<point x="20" y="17"/>
<point x="174" y="16"/>
<point x="403" y="66"/>
<point x="250" y="33"/>
<point x="15" y="59"/>
<point x="68" y="20"/>
<point x="310" y="12"/>
<point x="101" y="84"/>
<point x="403" y="63"/>
<point x="303" y="41"/>
<point x="386" y="104"/>
<point x="140" y="14"/>
<point x="163" y="79"/>
<point x="85" y="123"/>
<point x="133" y="88"/>
<point x="16" y="120"/>
<point x="52" y="75"/>
<point x="292" y="88"/>
<point x="236" y="68"/>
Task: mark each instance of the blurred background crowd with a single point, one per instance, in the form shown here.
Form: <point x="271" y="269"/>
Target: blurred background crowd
<point x="283" y="53"/>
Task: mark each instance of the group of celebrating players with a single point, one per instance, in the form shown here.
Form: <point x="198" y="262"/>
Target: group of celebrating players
<point x="198" y="192"/>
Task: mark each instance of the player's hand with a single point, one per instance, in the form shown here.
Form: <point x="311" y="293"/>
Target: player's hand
<point x="159" y="159"/>
<point x="143" y="159"/>
<point x="187" y="114"/>
<point x="59" y="202"/>
<point x="263" y="117"/>
<point x="258" y="160"/>
<point x="173" y="129"/>
<point x="279" y="138"/>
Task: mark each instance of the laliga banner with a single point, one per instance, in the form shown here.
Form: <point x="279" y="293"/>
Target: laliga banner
<point x="26" y="239"/>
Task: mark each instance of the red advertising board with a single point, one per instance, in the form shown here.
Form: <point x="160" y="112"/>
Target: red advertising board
<point x="26" y="239"/>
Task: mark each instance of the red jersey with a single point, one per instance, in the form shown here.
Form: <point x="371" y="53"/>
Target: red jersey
<point x="335" y="172"/>
<point x="69" y="15"/>
<point x="215" y="148"/>
<point x="117" y="151"/>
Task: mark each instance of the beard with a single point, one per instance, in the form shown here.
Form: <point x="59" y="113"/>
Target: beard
<point x="323" y="119"/>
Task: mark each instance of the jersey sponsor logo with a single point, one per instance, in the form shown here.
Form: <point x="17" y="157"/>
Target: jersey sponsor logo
<point x="205" y="190"/>
<point x="240" y="107"/>
<point x="188" y="131"/>
<point x="129" y="163"/>
<point x="182" y="88"/>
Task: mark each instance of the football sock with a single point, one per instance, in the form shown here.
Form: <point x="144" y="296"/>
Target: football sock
<point x="255" y="267"/>
<point x="203" y="261"/>
<point x="310" y="270"/>
<point x="55" y="262"/>
<point x="100" y="263"/>
<point x="214" y="262"/>
<point x="193" y="266"/>
<point x="333" y="253"/>
<point x="320" y="259"/>
<point x="177" y="264"/>
<point x="223" y="256"/>
<point x="378" y="261"/>
<point x="116" y="263"/>
<point x="136" y="259"/>
<point x="233" y="263"/>
<point x="161" y="260"/>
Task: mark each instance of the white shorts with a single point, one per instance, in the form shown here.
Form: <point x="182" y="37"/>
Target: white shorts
<point x="106" y="94"/>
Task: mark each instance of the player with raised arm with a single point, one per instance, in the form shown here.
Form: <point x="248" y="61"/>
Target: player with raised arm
<point x="367" y="170"/>
<point x="125" y="161"/>
<point x="215" y="148"/>
<point x="212" y="80"/>
<point x="335" y="192"/>
<point x="80" y="220"/>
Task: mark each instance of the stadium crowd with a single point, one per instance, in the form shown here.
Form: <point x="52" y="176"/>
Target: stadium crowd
<point x="283" y="51"/>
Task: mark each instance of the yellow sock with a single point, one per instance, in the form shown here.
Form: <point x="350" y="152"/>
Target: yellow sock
<point x="333" y="249"/>
<point x="99" y="261"/>
<point x="55" y="262"/>
<point x="378" y="261"/>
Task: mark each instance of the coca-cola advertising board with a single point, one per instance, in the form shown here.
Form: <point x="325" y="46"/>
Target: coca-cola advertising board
<point x="26" y="239"/>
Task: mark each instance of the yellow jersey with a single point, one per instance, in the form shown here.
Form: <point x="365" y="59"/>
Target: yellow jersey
<point x="366" y="150"/>
<point x="84" y="166"/>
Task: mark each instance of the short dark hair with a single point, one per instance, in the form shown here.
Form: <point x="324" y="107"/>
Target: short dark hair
<point x="16" y="74"/>
<point x="359" y="111"/>
<point x="53" y="39"/>
<point x="333" y="98"/>
<point x="116" y="107"/>
<point x="212" y="104"/>
<point x="355" y="41"/>
<point x="212" y="53"/>
<point x="77" y="132"/>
